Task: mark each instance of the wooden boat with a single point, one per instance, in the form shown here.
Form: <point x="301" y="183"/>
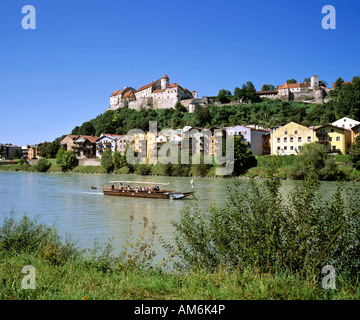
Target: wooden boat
<point x="136" y="192"/>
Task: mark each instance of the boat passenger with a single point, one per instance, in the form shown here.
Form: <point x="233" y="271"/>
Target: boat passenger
<point x="112" y="187"/>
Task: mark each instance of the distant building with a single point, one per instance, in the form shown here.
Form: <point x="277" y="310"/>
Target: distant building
<point x="159" y="94"/>
<point x="355" y="131"/>
<point x="289" y="139"/>
<point x="313" y="91"/>
<point x="335" y="139"/>
<point x="84" y="147"/>
<point x="345" y="123"/>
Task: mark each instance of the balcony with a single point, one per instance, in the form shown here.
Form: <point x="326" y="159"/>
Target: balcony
<point x="321" y="134"/>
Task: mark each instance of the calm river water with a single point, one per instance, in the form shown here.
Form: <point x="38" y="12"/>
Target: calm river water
<point x="67" y="201"/>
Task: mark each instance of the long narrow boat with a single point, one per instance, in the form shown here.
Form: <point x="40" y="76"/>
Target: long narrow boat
<point x="138" y="192"/>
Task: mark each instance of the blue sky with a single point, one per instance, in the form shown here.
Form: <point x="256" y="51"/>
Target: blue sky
<point x="62" y="74"/>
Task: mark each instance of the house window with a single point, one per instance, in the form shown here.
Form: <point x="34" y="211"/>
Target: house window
<point x="323" y="130"/>
<point x="337" y="138"/>
<point x="285" y="140"/>
<point x="291" y="147"/>
<point x="291" y="139"/>
<point x="278" y="148"/>
<point x="330" y="139"/>
<point x="285" y="132"/>
<point x="332" y="130"/>
<point x="299" y="147"/>
<point x="285" y="148"/>
<point x="309" y="139"/>
<point x="278" y="139"/>
<point x="295" y="131"/>
<point x="299" y="139"/>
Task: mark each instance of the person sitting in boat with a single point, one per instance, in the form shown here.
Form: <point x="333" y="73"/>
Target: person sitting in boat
<point x="128" y="188"/>
<point x="157" y="188"/>
<point x="112" y="187"/>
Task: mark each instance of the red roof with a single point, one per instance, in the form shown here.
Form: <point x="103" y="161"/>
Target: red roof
<point x="91" y="138"/>
<point x="116" y="93"/>
<point x="159" y="90"/>
<point x="165" y="77"/>
<point x="294" y="85"/>
<point x="145" y="87"/>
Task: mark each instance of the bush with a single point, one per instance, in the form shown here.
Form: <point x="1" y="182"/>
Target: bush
<point x="259" y="229"/>
<point x="142" y="169"/>
<point x="42" y="165"/>
<point x="29" y="236"/>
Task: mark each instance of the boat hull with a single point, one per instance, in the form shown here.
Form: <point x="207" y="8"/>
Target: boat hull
<point x="144" y="194"/>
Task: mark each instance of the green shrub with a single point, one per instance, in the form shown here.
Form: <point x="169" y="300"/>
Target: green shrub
<point x="142" y="169"/>
<point x="260" y="229"/>
<point x="42" y="165"/>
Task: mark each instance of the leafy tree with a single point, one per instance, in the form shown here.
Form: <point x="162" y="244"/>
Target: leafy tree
<point x="17" y="154"/>
<point x="86" y="129"/>
<point x="314" y="158"/>
<point x="116" y="160"/>
<point x="307" y="80"/>
<point x="267" y="87"/>
<point x="66" y="159"/>
<point x="247" y="93"/>
<point x="355" y="153"/>
<point x="223" y="96"/>
<point x="290" y="81"/>
<point x="42" y="165"/>
<point x="107" y="161"/>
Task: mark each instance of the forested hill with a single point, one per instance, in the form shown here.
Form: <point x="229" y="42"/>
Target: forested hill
<point x="268" y="113"/>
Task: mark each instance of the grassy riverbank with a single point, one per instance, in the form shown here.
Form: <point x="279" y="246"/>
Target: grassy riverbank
<point x="284" y="170"/>
<point x="63" y="271"/>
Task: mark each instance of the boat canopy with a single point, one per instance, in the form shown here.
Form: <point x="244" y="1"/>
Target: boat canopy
<point x="139" y="182"/>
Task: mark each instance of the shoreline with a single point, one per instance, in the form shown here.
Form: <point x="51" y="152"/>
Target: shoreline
<point x="242" y="177"/>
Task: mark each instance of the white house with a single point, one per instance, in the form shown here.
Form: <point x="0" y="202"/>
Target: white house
<point x="346" y="123"/>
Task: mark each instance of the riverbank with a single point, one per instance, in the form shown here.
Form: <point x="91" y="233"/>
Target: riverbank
<point x="348" y="173"/>
<point x="63" y="272"/>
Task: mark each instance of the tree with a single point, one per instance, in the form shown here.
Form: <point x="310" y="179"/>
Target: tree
<point x="267" y="87"/>
<point x="42" y="165"/>
<point x="313" y="159"/>
<point x="247" y="93"/>
<point x="66" y="159"/>
<point x="16" y="154"/>
<point x="355" y="153"/>
<point x="86" y="129"/>
<point x="107" y="161"/>
<point x="307" y="80"/>
<point x="116" y="160"/>
<point x="290" y="81"/>
<point x="223" y="96"/>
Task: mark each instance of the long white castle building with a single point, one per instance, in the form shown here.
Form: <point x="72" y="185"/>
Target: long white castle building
<point x="159" y="94"/>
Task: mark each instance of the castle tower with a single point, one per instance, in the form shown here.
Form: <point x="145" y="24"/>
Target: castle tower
<point x="194" y="94"/>
<point x="164" y="82"/>
<point x="314" y="82"/>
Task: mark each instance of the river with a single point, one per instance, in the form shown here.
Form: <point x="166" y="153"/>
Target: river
<point x="67" y="201"/>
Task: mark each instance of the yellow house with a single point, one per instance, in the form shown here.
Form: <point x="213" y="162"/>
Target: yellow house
<point x="140" y="144"/>
<point x="335" y="139"/>
<point x="289" y="139"/>
<point x="355" y="131"/>
<point x="151" y="147"/>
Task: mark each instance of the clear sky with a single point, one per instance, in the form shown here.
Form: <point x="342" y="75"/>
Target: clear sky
<point x="62" y="74"/>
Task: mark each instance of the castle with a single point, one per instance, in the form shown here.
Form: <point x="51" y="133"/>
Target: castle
<point x="159" y="94"/>
<point x="313" y="91"/>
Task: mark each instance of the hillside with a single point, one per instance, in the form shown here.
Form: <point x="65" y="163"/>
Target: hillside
<point x="267" y="113"/>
